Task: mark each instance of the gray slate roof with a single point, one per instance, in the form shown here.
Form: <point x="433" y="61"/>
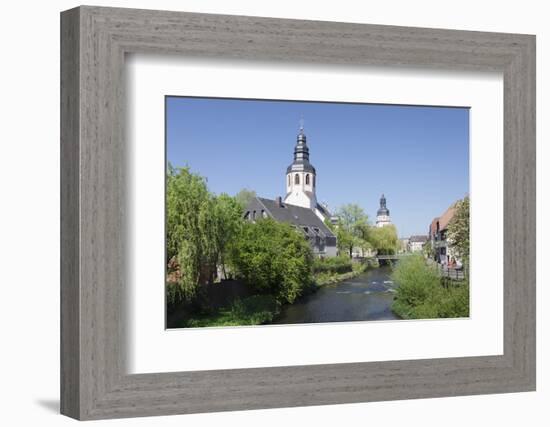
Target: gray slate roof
<point x="292" y="214"/>
<point x="421" y="239"/>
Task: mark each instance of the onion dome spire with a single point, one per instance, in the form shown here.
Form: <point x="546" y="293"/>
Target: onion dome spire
<point x="301" y="153"/>
<point x="383" y="209"/>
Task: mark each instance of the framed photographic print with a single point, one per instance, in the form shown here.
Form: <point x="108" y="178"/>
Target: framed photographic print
<point x="347" y="211"/>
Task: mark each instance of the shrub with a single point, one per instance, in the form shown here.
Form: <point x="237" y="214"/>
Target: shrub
<point x="254" y="310"/>
<point x="335" y="265"/>
<point x="420" y="294"/>
<point x="273" y="258"/>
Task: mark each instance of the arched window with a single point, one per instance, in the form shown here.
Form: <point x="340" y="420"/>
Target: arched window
<point x="289" y="180"/>
<point x="313" y="181"/>
<point x="296" y="179"/>
<point x="307" y="179"/>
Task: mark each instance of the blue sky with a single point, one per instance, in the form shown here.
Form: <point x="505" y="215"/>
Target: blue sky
<point x="417" y="156"/>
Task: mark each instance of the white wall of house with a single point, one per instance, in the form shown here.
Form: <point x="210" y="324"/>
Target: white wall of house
<point x="416" y="246"/>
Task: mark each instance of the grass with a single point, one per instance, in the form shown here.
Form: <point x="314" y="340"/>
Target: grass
<point x="254" y="310"/>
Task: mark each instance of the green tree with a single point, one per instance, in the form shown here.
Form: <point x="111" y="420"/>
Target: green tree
<point x="228" y="218"/>
<point x="458" y="231"/>
<point x="244" y="197"/>
<point x="191" y="242"/>
<point x="352" y="229"/>
<point x="428" y="250"/>
<point x="273" y="258"/>
<point x="384" y="239"/>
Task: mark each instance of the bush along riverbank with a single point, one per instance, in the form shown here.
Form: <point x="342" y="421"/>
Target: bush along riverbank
<point x="330" y="271"/>
<point x="253" y="310"/>
<point x="423" y="294"/>
<point x="271" y="261"/>
<point x="258" y="309"/>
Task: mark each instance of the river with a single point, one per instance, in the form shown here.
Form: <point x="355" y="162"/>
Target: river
<point x="366" y="297"/>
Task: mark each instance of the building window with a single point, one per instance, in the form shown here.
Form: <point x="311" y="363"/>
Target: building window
<point x="247" y="215"/>
<point x="264" y="214"/>
<point x="289" y="180"/>
<point x="307" y="179"/>
<point x="254" y="215"/>
<point x="296" y="179"/>
<point x="313" y="181"/>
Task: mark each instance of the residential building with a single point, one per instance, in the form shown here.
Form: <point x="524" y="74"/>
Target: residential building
<point x="321" y="239"/>
<point x="416" y="243"/>
<point x="442" y="251"/>
<point x="404" y="244"/>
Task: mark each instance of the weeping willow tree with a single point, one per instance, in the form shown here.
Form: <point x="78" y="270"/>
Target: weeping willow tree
<point x="199" y="228"/>
<point x="384" y="239"/>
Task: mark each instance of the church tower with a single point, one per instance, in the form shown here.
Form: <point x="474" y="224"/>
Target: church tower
<point x="383" y="214"/>
<point x="300" y="176"/>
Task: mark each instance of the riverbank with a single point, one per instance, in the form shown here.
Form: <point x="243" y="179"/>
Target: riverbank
<point x="253" y="310"/>
<point x="262" y="309"/>
<point x="324" y="279"/>
<point x="332" y="278"/>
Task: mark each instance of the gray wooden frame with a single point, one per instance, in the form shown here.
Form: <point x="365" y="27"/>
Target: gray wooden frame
<point x="94" y="41"/>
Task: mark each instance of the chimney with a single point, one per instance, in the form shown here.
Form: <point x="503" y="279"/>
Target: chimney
<point x="279" y="201"/>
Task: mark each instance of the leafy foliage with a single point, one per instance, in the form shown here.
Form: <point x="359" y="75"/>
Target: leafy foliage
<point x="421" y="295"/>
<point x="199" y="229"/>
<point x="227" y="214"/>
<point x="428" y="250"/>
<point x="244" y="197"/>
<point x="272" y="258"/>
<point x="254" y="310"/>
<point x="458" y="231"/>
<point x="384" y="239"/>
<point x="332" y="265"/>
<point x="352" y="229"/>
<point x="190" y="239"/>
